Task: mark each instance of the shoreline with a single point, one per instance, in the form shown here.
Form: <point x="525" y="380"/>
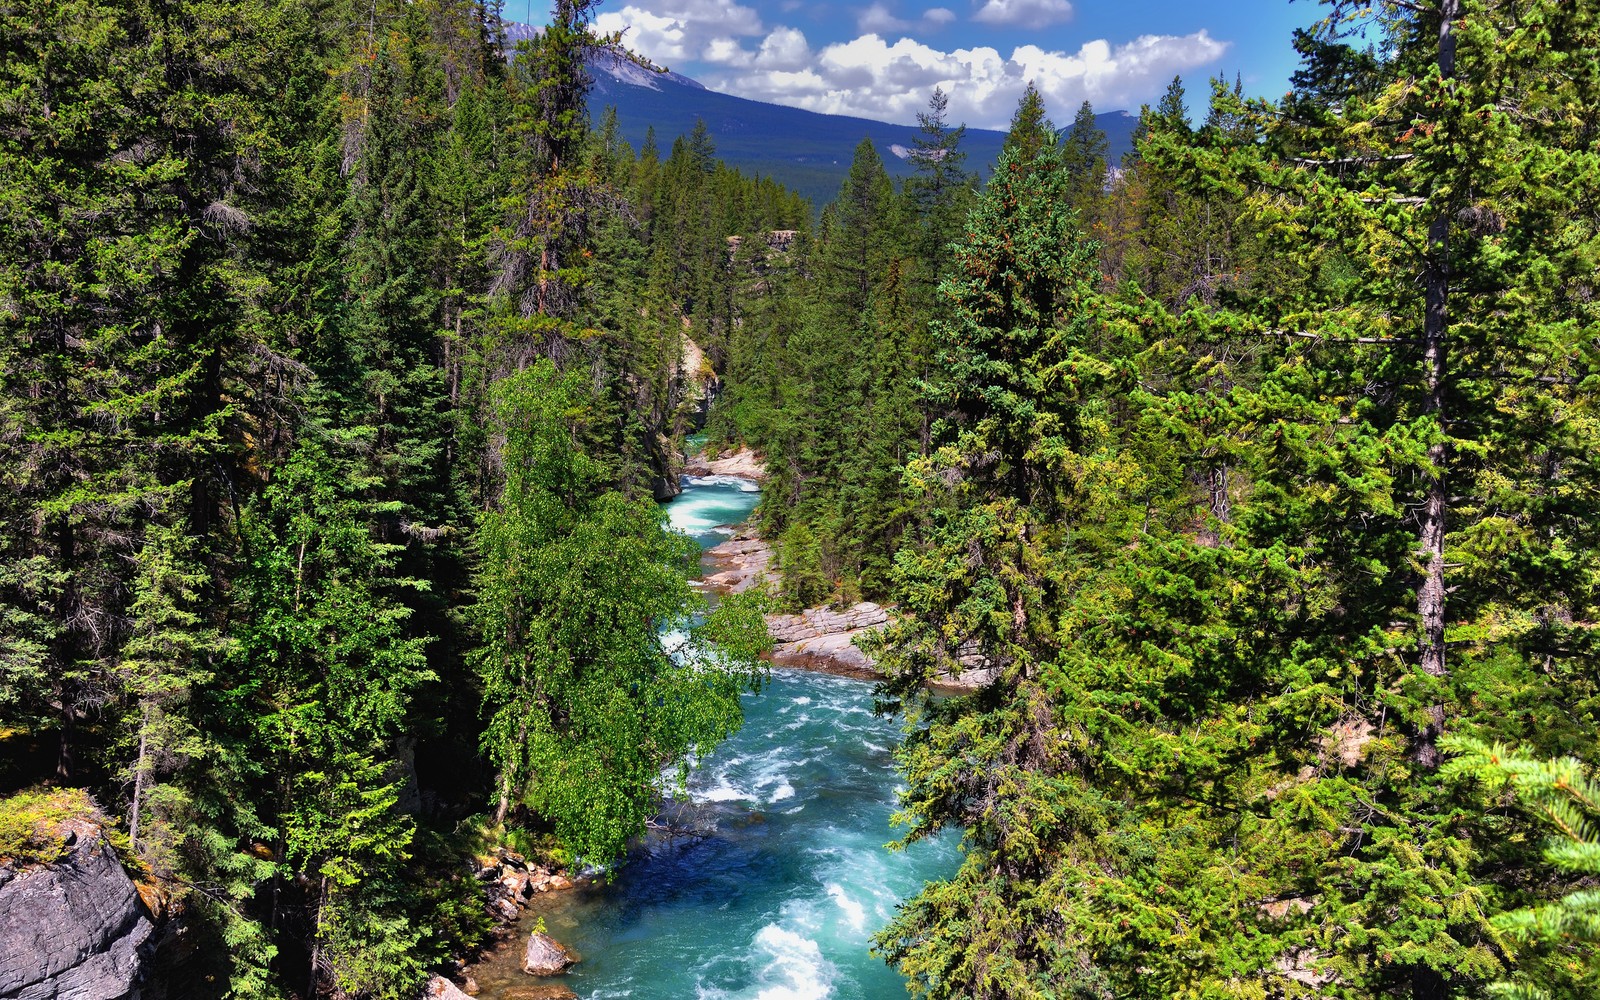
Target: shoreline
<point x="820" y="639"/>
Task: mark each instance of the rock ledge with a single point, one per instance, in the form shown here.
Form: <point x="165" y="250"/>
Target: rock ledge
<point x="74" y="929"/>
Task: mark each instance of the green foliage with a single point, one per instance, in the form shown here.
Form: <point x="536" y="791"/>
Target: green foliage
<point x="1018" y="451"/>
<point x="1196" y="548"/>
<point x="1560" y="938"/>
<point x="270" y="260"/>
<point x="322" y="677"/>
<point x="31" y="823"/>
<point x="593" y="674"/>
<point x="340" y="357"/>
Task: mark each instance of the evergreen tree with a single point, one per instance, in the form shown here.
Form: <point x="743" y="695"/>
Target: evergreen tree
<point x="1012" y="488"/>
<point x="318" y="690"/>
<point x="1212" y="768"/>
<point x="941" y="190"/>
<point x="1086" y="154"/>
<point x="1561" y="937"/>
<point x="1031" y="131"/>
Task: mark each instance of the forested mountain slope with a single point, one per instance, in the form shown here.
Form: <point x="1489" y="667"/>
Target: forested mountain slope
<point x="807" y="152"/>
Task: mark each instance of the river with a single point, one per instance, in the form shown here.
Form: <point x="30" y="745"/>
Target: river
<point x="772" y="879"/>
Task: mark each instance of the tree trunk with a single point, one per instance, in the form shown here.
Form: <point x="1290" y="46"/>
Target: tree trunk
<point x="67" y="650"/>
<point x="138" y="778"/>
<point x="1431" y="593"/>
<point x="315" y="973"/>
<point x="66" y="758"/>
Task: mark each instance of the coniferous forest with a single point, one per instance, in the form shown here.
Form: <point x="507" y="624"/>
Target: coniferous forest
<point x="345" y="360"/>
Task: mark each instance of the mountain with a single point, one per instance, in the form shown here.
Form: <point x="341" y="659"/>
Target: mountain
<point x="805" y="151"/>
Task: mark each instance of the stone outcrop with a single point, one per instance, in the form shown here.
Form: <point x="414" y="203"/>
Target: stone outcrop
<point x="824" y="639"/>
<point x="736" y="565"/>
<point x="545" y="956"/>
<point x="817" y="638"/>
<point x="440" y="988"/>
<point x="740" y="462"/>
<point x="74" y="929"/>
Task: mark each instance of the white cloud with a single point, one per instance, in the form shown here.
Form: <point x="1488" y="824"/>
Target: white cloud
<point x="727" y="52"/>
<point x="785" y="50"/>
<point x="1024" y="13"/>
<point x="877" y="18"/>
<point x="871" y="78"/>
<point x="1139" y="67"/>
<point x="680" y="29"/>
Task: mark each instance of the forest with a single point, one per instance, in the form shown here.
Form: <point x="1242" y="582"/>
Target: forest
<point x="345" y="359"/>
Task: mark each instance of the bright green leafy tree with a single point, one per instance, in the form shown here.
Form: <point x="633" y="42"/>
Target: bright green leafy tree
<point x="595" y="675"/>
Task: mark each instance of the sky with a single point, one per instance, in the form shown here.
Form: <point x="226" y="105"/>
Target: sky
<point x="882" y="59"/>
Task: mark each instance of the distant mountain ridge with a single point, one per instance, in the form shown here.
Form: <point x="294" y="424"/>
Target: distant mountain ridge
<point x="806" y="151"/>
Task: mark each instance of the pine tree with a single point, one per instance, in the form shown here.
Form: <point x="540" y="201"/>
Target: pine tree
<point x="941" y="190"/>
<point x="1031" y="131"/>
<point x="1016" y="465"/>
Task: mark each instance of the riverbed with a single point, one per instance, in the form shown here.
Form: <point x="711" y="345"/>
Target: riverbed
<point x="770" y="880"/>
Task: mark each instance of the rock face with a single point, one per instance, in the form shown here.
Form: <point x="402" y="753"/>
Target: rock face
<point x="735" y="565"/>
<point x="823" y="639"/>
<point x="75" y="929"/>
<point x="739" y="462"/>
<point x="545" y="956"/>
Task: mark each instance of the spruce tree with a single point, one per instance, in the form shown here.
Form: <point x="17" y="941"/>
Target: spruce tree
<point x="1087" y="156"/>
<point x="1016" y="466"/>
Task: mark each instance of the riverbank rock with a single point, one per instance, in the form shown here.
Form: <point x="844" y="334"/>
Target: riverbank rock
<point x="74" y="928"/>
<point x="737" y="564"/>
<point x="440" y="988"/>
<point x="824" y="639"/>
<point x="545" y="956"/>
<point x="510" y="881"/>
<point x="740" y="462"/>
<point x="820" y="639"/>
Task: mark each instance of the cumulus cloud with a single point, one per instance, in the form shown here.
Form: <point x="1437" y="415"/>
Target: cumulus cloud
<point x="727" y="52"/>
<point x="682" y="29"/>
<point x="879" y="19"/>
<point x="785" y="50"/>
<point x="871" y="78"/>
<point x="1024" y="13"/>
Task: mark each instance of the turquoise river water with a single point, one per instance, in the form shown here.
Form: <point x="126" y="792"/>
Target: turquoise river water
<point x="769" y="883"/>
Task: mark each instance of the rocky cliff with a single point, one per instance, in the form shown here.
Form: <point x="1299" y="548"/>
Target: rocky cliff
<point x="74" y="928"/>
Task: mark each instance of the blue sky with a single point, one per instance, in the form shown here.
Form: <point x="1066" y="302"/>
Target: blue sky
<point x="882" y="59"/>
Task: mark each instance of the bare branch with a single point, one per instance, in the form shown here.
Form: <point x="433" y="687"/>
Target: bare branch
<point x="1351" y="160"/>
<point x="1333" y="340"/>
